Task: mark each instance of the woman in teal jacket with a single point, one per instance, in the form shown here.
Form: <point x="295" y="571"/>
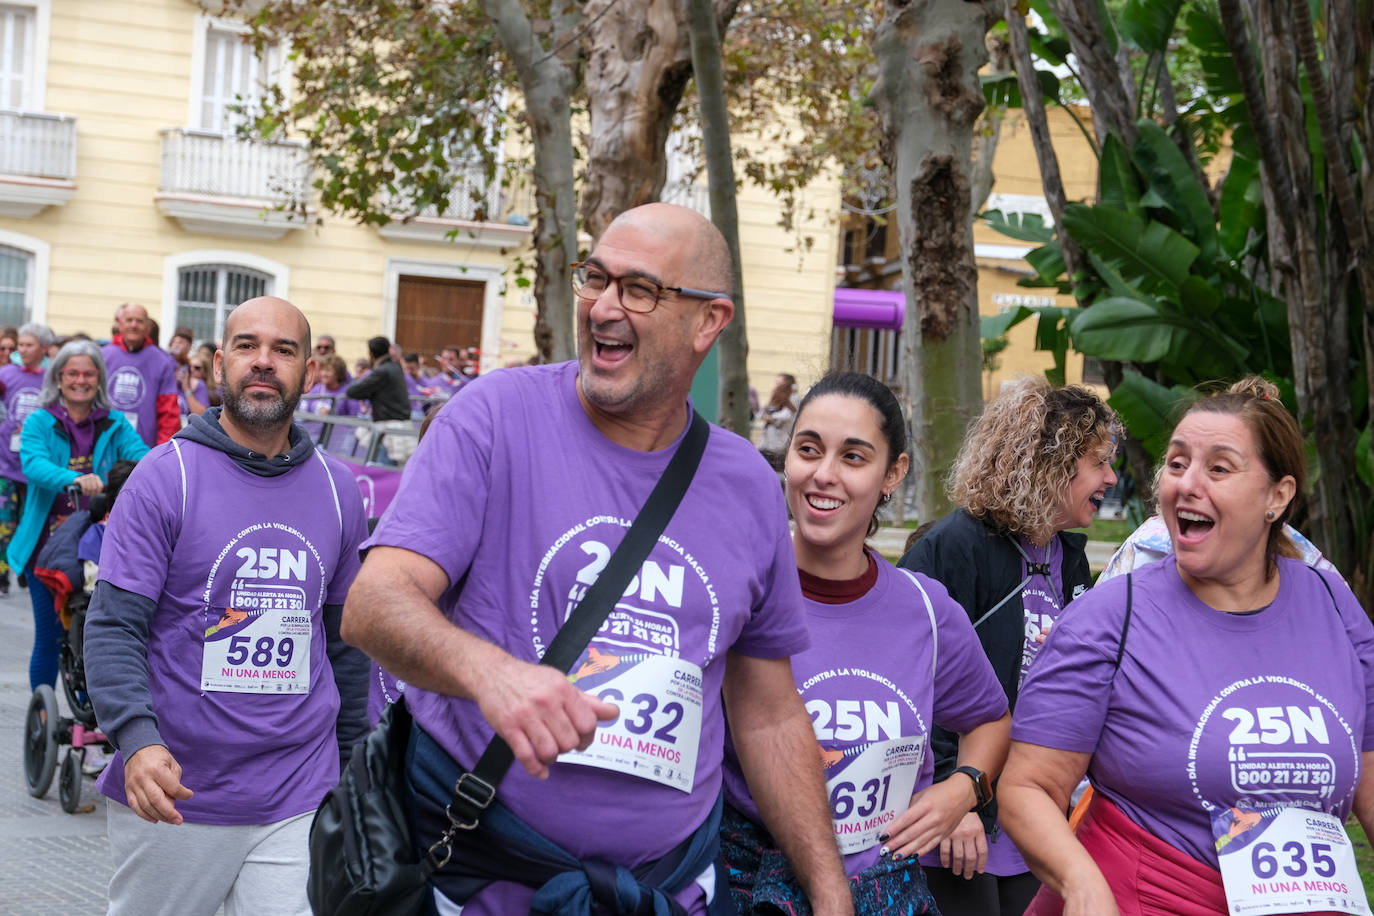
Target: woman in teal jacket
<point x="71" y="438"/>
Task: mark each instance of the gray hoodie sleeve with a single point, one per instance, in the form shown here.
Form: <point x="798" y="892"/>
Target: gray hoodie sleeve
<point x="116" y="641"/>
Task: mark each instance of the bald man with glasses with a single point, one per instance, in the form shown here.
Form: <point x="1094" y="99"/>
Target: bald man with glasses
<point x="509" y="508"/>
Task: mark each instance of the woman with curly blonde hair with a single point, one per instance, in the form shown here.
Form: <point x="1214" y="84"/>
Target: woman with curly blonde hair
<point x="1033" y="466"/>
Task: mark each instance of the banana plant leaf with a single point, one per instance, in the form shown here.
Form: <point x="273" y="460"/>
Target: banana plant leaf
<point x="1140" y="248"/>
<point x="1173" y="183"/>
<point x="1147" y="25"/>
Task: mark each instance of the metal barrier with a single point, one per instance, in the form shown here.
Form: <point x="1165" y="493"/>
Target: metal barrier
<point x="397" y="437"/>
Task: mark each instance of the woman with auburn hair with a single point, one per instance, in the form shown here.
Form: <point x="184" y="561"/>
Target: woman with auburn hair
<point x="1034" y="465"/>
<point x="1219" y="700"/>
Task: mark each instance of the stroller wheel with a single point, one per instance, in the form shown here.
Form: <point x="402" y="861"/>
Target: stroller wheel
<point x="69" y="783"/>
<point x="40" y="741"/>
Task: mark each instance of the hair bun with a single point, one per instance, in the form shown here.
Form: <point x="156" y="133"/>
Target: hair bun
<point x="1255" y="386"/>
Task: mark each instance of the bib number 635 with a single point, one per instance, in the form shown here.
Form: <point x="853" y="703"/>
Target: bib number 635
<point x="1265" y="859"/>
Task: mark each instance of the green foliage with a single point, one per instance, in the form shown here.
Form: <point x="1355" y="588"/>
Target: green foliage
<point x="400" y="102"/>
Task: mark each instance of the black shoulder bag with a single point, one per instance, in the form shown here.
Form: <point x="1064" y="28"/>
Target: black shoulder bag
<point x="362" y="860"/>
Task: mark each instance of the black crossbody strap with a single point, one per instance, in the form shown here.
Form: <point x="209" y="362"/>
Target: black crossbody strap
<point x="476" y="788"/>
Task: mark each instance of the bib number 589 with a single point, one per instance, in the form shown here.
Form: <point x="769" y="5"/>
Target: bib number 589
<point x="264" y="652"/>
<point x="1265" y="860"/>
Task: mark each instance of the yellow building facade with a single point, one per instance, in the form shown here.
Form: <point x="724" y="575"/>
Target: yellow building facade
<point x="121" y="180"/>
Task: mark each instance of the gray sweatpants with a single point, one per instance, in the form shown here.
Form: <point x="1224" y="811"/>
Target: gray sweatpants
<point x="191" y="869"/>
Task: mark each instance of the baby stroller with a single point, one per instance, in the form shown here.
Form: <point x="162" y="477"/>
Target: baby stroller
<point x="46" y="731"/>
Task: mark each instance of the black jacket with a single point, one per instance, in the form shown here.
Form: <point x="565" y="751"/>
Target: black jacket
<point x="980" y="566"/>
<point x="385" y="387"/>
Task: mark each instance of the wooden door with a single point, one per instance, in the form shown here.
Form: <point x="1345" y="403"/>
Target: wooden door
<point x="434" y="312"/>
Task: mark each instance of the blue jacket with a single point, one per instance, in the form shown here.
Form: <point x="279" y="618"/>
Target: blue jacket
<point x="44" y="452"/>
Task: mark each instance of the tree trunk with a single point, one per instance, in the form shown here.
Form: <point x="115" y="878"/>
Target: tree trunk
<point x="733" y="346"/>
<point x="1033" y="105"/>
<point x="547" y="83"/>
<point x="928" y="93"/>
<point x="639" y="64"/>
<point x="1105" y="84"/>
<point x="1323" y="403"/>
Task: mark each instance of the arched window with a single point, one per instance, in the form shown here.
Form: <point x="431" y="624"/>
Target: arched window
<point x="206" y="293"/>
<point x="15" y="265"/>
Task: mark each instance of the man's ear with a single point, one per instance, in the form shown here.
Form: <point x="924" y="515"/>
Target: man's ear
<point x="715" y="314"/>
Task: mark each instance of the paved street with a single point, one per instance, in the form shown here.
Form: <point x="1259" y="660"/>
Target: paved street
<point x="54" y="863"/>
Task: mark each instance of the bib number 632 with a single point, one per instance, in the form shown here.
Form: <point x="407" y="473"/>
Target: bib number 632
<point x="1293" y="858"/>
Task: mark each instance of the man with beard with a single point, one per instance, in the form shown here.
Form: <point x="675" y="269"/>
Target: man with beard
<point x="142" y="378"/>
<point x="211" y="644"/>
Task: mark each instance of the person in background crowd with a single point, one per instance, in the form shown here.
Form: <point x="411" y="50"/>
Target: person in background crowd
<point x="71" y="437"/>
<point x="546" y="463"/>
<point x="324" y="349"/>
<point x="193" y="396"/>
<point x="1033" y="466"/>
<point x="20" y="386"/>
<point x="324" y="346"/>
<point x="9" y="343"/>
<point x="329" y="397"/>
<point x="385" y="386"/>
<point x="1215" y="697"/>
<point x="890" y="654"/>
<point x="418" y="386"/>
<point x="143" y="381"/>
<point x="179" y="347"/>
<point x="777" y="420"/>
<point x="361" y="367"/>
<point x="229" y="727"/>
<point x="450" y="369"/>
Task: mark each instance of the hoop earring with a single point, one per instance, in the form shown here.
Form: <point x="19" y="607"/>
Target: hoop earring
<point x="885" y="499"/>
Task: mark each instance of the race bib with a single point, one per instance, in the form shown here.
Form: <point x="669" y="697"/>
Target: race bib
<point x="656" y="735"/>
<point x="869" y="793"/>
<point x="260" y="645"/>
<point x="1280" y="859"/>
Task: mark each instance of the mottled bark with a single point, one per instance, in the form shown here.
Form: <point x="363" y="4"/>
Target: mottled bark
<point x="928" y="93"/>
<point x="733" y="344"/>
<point x="639" y="64"/>
<point x="547" y="83"/>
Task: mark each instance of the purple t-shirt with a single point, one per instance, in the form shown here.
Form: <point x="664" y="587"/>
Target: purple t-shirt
<point x="201" y="393"/>
<point x="240" y="567"/>
<point x="515" y="489"/>
<point x="1209" y="710"/>
<point x="866" y="681"/>
<point x="21" y="399"/>
<point x="136" y="380"/>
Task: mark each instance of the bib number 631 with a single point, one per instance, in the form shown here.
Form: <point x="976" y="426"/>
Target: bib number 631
<point x="1265" y="859"/>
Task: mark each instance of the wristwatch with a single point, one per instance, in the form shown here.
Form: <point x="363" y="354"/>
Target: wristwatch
<point x="982" y="786"/>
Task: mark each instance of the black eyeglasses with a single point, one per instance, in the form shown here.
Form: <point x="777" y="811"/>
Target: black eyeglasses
<point x="637" y="294"/>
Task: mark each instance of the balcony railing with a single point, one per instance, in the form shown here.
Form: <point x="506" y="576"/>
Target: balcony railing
<point x="217" y="165"/>
<point x="37" y="144"/>
<point x="472" y="196"/>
